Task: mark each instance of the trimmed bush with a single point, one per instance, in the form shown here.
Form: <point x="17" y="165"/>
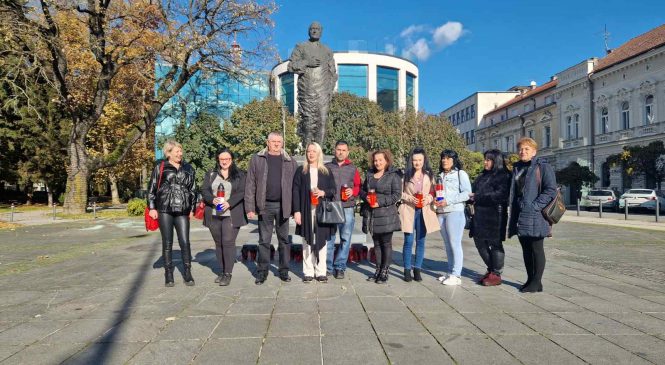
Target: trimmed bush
<point x="136" y="207"/>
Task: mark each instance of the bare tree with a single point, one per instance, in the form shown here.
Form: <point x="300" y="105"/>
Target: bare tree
<point x="163" y="43"/>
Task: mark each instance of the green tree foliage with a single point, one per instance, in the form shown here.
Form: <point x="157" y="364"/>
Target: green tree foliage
<point x="576" y="176"/>
<point x="641" y="160"/>
<point x="200" y="141"/>
<point x="247" y="131"/>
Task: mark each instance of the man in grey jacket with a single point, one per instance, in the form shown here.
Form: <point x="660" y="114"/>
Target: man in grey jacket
<point x="268" y="195"/>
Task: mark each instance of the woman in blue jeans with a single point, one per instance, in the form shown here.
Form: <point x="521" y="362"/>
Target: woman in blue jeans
<point x="450" y="212"/>
<point x="417" y="217"/>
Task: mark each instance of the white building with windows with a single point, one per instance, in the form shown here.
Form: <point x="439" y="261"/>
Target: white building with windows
<point x="389" y="80"/>
<point x="467" y="114"/>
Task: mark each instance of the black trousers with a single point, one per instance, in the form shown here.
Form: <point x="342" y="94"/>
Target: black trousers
<point x="383" y="249"/>
<point x="492" y="253"/>
<point x="224" y="235"/>
<point x="534" y="258"/>
<point x="179" y="221"/>
<point x="269" y="219"/>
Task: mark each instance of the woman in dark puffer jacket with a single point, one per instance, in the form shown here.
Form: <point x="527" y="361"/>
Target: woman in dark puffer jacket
<point x="382" y="216"/>
<point x="490" y="195"/>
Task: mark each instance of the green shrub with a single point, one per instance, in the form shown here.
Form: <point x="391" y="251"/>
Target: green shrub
<point x="136" y="207"/>
<point x="61" y="199"/>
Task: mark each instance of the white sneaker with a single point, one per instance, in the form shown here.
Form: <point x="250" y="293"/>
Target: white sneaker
<point x="452" y="280"/>
<point x="443" y="277"/>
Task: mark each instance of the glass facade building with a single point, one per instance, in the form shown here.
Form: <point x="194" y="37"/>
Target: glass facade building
<point x="387" y="88"/>
<point x="410" y="91"/>
<point x="352" y="79"/>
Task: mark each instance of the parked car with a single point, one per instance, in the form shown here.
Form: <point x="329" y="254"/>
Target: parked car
<point x="651" y="204"/>
<point x="635" y="197"/>
<point x="593" y="197"/>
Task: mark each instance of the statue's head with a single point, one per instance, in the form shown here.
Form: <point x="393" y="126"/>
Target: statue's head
<point x="315" y="31"/>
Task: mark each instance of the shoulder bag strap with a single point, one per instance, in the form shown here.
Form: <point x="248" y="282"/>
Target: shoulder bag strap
<point x="161" y="172"/>
<point x="538" y="178"/>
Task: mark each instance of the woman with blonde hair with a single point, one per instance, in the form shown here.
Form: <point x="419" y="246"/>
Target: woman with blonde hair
<point x="171" y="198"/>
<point x="312" y="182"/>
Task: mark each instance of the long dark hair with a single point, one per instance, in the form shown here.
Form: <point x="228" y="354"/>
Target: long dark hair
<point x="497" y="160"/>
<point x="410" y="171"/>
<point x="233" y="169"/>
<point x="457" y="164"/>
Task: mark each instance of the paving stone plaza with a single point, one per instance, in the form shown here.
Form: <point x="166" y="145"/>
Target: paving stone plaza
<point x="93" y="293"/>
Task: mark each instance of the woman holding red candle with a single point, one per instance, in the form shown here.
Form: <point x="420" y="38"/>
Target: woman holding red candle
<point x="382" y="189"/>
<point x="313" y="181"/>
<point x="223" y="192"/>
<point x="416" y="213"/>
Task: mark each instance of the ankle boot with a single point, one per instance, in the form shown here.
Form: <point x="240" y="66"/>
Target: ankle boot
<point x="376" y="274"/>
<point x="168" y="277"/>
<point x="187" y="276"/>
<point x="225" y="279"/>
<point x="407" y="275"/>
<point x="416" y="275"/>
<point x="383" y="276"/>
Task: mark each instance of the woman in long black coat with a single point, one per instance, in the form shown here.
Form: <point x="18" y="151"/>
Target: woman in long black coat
<point x="490" y="195"/>
<point x="313" y="179"/>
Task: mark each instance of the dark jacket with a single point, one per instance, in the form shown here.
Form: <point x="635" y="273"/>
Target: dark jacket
<point x="236" y="200"/>
<point x="176" y="192"/>
<point x="348" y="174"/>
<point x="257" y="178"/>
<point x="303" y="204"/>
<point x="491" y="191"/>
<point x="385" y="218"/>
<point x="527" y="202"/>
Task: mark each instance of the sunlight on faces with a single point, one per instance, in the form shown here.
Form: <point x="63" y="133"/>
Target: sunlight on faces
<point x="225" y="160"/>
<point x="418" y="161"/>
<point x="175" y="155"/>
<point x="488" y="164"/>
<point x="526" y="152"/>
<point x="341" y="152"/>
<point x="380" y="162"/>
<point x="312" y="154"/>
<point x="275" y="144"/>
<point x="447" y="163"/>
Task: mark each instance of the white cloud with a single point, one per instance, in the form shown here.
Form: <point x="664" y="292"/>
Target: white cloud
<point x="391" y="48"/>
<point x="419" y="50"/>
<point x="447" y="34"/>
<point x="411" y="29"/>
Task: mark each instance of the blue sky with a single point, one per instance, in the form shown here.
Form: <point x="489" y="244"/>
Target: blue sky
<point x="465" y="46"/>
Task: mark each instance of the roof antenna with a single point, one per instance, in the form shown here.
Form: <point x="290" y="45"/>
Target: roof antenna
<point x="606" y="35"/>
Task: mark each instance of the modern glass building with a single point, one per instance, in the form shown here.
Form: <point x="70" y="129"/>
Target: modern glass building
<point x="389" y="80"/>
<point x="214" y="93"/>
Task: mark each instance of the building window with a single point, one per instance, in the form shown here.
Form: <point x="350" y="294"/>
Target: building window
<point x="576" y="130"/>
<point x="473" y="110"/>
<point x="287" y="91"/>
<point x="510" y="146"/>
<point x="387" y="88"/>
<point x="569" y="128"/>
<point x="468" y="113"/>
<point x="549" y="99"/>
<point x="547" y="138"/>
<point x="496" y="144"/>
<point x="352" y="79"/>
<point x="467" y="138"/>
<point x="473" y="136"/>
<point x="648" y="110"/>
<point x="410" y="91"/>
<point x="625" y="115"/>
<point x="529" y="133"/>
<point x="604" y="121"/>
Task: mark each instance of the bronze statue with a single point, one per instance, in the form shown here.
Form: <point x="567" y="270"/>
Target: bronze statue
<point x="314" y="63"/>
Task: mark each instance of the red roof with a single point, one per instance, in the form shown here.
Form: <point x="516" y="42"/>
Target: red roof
<point x="641" y="44"/>
<point x="542" y="88"/>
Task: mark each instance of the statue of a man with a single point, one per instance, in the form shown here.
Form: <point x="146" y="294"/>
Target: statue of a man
<point x="314" y="63"/>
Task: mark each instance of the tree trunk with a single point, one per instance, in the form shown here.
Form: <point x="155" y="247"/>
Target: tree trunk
<point x="78" y="173"/>
<point x="49" y="194"/>
<point x="115" y="197"/>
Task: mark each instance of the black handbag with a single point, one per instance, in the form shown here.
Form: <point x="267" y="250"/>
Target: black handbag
<point x="556" y="208"/>
<point x="330" y="212"/>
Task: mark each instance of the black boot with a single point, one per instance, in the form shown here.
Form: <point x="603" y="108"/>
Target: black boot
<point x="225" y="279"/>
<point x="187" y="276"/>
<point x="383" y="276"/>
<point x="416" y="275"/>
<point x="187" y="263"/>
<point x="376" y="275"/>
<point x="407" y="275"/>
<point x="168" y="268"/>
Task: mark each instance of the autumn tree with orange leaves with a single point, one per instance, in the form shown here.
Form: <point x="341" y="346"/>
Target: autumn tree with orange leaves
<point x="101" y="54"/>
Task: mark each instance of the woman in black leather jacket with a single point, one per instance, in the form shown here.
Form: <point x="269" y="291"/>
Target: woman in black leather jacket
<point x="171" y="200"/>
<point x="224" y="223"/>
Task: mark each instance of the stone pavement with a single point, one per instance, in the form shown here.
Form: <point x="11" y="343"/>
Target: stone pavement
<point x="93" y="293"/>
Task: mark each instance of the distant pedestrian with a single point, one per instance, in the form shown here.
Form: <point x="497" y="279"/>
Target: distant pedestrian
<point x="268" y="194"/>
<point x="488" y="227"/>
<point x="312" y="182"/>
<point x="533" y="186"/>
<point x="171" y="198"/>
<point x="450" y="211"/>
<point x="382" y="189"/>
<point x="223" y="192"/>
<point x="416" y="214"/>
<point x="347" y="185"/>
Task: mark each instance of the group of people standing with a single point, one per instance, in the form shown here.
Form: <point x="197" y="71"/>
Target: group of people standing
<point x="417" y="202"/>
